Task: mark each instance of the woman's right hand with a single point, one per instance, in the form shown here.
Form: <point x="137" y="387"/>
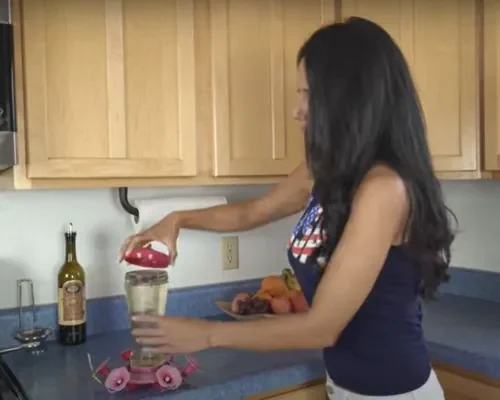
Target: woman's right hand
<point x="165" y="231"/>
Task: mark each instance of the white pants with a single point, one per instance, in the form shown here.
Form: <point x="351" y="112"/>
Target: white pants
<point x="430" y="390"/>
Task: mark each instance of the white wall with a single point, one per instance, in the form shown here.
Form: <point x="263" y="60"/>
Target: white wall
<point x="32" y="241"/>
<point x="477" y="207"/>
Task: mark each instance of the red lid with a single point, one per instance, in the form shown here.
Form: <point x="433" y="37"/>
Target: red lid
<point x="148" y="258"/>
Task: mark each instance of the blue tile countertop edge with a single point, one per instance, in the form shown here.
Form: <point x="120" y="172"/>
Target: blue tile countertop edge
<point x="109" y="314"/>
<point x="482" y="285"/>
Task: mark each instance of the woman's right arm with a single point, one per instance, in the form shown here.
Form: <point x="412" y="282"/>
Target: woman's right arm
<point x="287" y="198"/>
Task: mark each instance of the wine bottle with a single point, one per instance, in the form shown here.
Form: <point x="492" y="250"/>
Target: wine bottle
<point x="71" y="297"/>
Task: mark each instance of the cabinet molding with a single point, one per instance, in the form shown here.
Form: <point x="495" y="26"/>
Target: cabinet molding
<point x="459" y="384"/>
<point x="313" y="390"/>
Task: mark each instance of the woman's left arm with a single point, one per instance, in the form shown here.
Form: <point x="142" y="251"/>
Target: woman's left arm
<point x="378" y="214"/>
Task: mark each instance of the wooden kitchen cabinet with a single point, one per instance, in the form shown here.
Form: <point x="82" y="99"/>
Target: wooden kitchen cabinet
<point x="254" y="50"/>
<point x="309" y="391"/>
<point x="109" y="88"/>
<point x="117" y="93"/>
<point x="459" y="384"/>
<point x="439" y="41"/>
<point x="201" y="92"/>
<point x="491" y="34"/>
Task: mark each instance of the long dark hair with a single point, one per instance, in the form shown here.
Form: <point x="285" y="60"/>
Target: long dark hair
<point x="364" y="110"/>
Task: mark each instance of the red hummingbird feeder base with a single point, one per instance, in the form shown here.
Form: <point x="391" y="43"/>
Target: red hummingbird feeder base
<point x="163" y="375"/>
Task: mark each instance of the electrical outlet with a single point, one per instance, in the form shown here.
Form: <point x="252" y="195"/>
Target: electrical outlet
<point x="230" y="252"/>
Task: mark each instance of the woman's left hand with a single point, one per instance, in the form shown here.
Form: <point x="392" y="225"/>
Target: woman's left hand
<point x="172" y="334"/>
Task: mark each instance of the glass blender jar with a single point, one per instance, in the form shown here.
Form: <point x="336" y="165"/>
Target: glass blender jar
<point x="146" y="292"/>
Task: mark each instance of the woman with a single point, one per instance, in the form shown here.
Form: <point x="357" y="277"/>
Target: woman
<point x="374" y="235"/>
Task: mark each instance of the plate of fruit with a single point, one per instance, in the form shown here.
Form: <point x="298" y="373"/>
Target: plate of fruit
<point x="278" y="294"/>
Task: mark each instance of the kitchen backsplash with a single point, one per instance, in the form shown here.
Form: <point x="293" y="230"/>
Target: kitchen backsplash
<point x="32" y="242"/>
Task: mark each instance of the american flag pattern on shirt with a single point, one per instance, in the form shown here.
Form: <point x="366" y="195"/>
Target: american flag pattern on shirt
<point x="308" y="234"/>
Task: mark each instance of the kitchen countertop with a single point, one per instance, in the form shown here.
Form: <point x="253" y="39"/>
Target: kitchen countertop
<point x="461" y="331"/>
<point x="63" y="372"/>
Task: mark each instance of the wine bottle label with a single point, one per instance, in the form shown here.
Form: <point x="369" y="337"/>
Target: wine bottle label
<point x="71" y="303"/>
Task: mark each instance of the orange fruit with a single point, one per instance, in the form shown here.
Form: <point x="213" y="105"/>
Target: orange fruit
<point x="274" y="285"/>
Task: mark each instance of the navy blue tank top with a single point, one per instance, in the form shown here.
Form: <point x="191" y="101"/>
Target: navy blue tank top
<point x="382" y="351"/>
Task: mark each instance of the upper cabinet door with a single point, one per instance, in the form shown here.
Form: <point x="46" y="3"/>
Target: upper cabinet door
<point x="254" y="50"/>
<point x="492" y="85"/>
<point x="109" y="88"/>
<point x="439" y="40"/>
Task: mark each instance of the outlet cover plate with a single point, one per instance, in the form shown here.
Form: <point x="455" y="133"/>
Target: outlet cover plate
<point x="230" y="252"/>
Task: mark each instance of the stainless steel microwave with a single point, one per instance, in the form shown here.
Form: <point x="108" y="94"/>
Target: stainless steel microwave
<point x="8" y="128"/>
